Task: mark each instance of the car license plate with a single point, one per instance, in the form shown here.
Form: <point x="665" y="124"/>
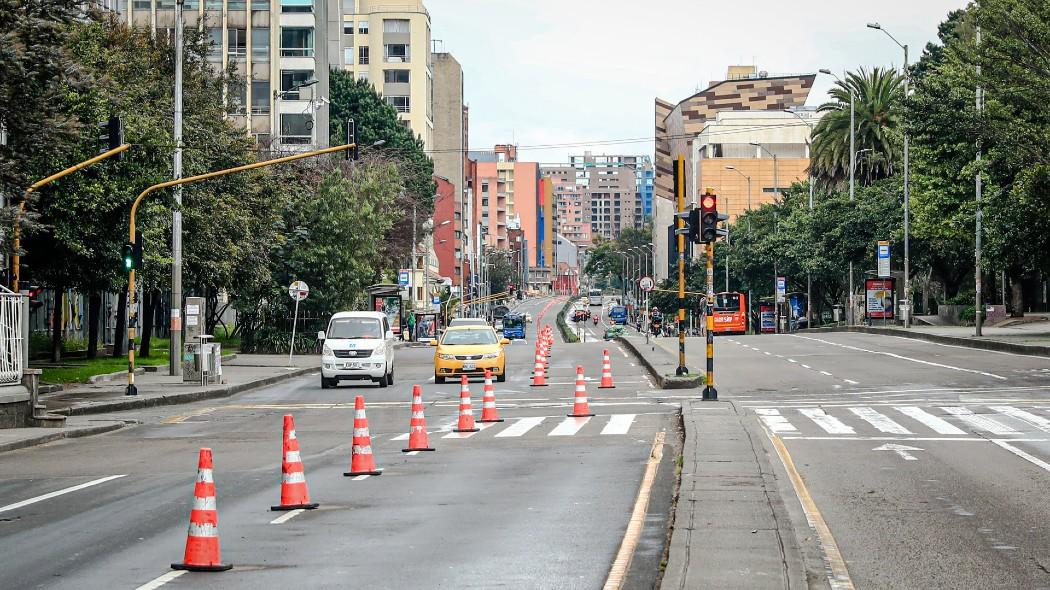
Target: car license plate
<point x="469" y="366"/>
<point x="351" y="365"/>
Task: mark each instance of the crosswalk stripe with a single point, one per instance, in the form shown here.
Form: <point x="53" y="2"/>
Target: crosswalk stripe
<point x="880" y="421"/>
<point x="1037" y="421"/>
<point x="619" y="424"/>
<point x="774" y="421"/>
<point x="520" y="427"/>
<point x="569" y="426"/>
<point x="938" y="425"/>
<point x="830" y="424"/>
<point x="978" y="421"/>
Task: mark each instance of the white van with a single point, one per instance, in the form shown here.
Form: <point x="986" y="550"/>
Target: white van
<point x="357" y="345"/>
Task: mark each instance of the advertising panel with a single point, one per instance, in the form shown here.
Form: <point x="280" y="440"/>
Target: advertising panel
<point x="879" y="297"/>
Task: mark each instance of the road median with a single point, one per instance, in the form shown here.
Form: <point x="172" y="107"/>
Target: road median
<point x="983" y="343"/>
<point x="659" y="363"/>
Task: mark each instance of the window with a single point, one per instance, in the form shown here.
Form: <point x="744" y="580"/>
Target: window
<point x="289" y="78"/>
<point x="297" y="42"/>
<point x="297" y="5"/>
<point x="260" y="4"/>
<point x="165" y="4"/>
<point x="214" y="43"/>
<point x="396" y="53"/>
<point x="395" y="76"/>
<point x="236" y="5"/>
<point x="348" y="28"/>
<point x="191" y="5"/>
<point x="362" y="76"/>
<point x="237" y="95"/>
<point x="140" y="4"/>
<point x="295" y="128"/>
<point x="396" y="25"/>
<point x="348" y="56"/>
<point x="362" y="55"/>
<point x="213" y="5"/>
<point x="260" y="44"/>
<point x="362" y="27"/>
<point x="237" y="42"/>
<point x="260" y="96"/>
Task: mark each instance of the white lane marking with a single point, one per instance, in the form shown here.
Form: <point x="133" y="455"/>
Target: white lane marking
<point x="160" y="581"/>
<point x="569" y="426"/>
<point x="792" y="361"/>
<point x="522" y="426"/>
<point x="412" y="453"/>
<point x="902" y="357"/>
<point x="830" y="424"/>
<point x="880" y="421"/>
<point x="768" y="353"/>
<point x="978" y="421"/>
<point x="57" y="493"/>
<point x="1037" y="421"/>
<point x="624" y="353"/>
<point x="619" y="424"/>
<point x="937" y="424"/>
<point x="780" y="356"/>
<point x="851" y="381"/>
<point x="901" y="450"/>
<point x="806" y="366"/>
<point x="479" y="425"/>
<point x="825" y="373"/>
<point x="1027" y="457"/>
<point x="774" y="421"/>
<point x="618" y="571"/>
<point x="360" y="477"/>
<point x="900" y="438"/>
<point x="287" y="516"/>
<point x="401" y="437"/>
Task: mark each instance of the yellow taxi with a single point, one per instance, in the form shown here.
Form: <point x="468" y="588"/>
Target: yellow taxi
<point x="469" y="350"/>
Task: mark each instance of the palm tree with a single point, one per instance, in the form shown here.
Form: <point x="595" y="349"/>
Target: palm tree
<point x="878" y="93"/>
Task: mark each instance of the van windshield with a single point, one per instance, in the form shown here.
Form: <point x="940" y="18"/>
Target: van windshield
<point x="355" y="328"/>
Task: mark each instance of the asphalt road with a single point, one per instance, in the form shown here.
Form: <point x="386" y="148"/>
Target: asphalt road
<point x="929" y="463"/>
<point x="511" y="506"/>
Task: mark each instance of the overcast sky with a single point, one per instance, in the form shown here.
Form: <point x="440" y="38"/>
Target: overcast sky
<point x="555" y="72"/>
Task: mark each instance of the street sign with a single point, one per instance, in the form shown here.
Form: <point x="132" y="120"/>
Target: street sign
<point x="781" y="289"/>
<point x="298" y="290"/>
<point x="436" y="300"/>
<point x="884" y="259"/>
<point x="646" y="284"/>
<point x="402" y="278"/>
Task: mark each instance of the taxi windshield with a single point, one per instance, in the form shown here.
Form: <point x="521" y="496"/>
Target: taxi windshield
<point x="355" y="328"/>
<point x="468" y="337"/>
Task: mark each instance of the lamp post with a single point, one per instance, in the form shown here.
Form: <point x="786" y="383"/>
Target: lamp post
<point x="734" y="169"/>
<point x="907" y="191"/>
<point x="776" y="177"/>
<point x="275" y="131"/>
<point x="809" y="273"/>
<point x="852" y="167"/>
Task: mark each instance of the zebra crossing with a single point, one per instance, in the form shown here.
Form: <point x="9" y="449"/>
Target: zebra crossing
<point x="907" y="421"/>
<point x="551" y="426"/>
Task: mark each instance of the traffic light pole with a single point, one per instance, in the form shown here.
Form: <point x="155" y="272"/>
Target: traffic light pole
<point x="16" y="258"/>
<point x="132" y="310"/>
<point x="710" y="393"/>
<point x="679" y="189"/>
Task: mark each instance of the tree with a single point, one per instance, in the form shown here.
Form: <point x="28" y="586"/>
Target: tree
<point x="878" y="94"/>
<point x="501" y="273"/>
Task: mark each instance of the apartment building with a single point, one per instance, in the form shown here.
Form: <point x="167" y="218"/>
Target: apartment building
<point x="572" y="208"/>
<point x="449" y="155"/>
<point x="506" y="194"/>
<point x="285" y="48"/>
<point x="611" y="183"/>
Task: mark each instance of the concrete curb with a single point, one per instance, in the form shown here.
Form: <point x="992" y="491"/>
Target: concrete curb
<point x="87" y="408"/>
<point x="993" y="345"/>
<point x="662" y="381"/>
<point x="62" y="434"/>
<point x="140" y="370"/>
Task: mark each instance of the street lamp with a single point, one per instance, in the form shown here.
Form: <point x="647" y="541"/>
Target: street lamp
<point x="776" y="177"/>
<point x="809" y="273"/>
<point x="852" y="167"/>
<point x="907" y="188"/>
<point x="275" y="132"/>
<point x="734" y="169"/>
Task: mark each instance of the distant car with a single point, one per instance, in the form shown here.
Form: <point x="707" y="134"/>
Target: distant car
<point x="469" y="350"/>
<point x="467" y="322"/>
<point x="618" y="315"/>
<point x="358" y="345"/>
<point x="613" y="331"/>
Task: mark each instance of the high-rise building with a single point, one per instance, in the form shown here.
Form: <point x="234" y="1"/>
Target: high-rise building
<point x="572" y="208"/>
<point x="506" y="194"/>
<point x="278" y="45"/>
<point x="449" y="154"/>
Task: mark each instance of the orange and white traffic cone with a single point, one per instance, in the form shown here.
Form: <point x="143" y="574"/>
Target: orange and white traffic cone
<point x="361" y="460"/>
<point x="538" y="379"/>
<point x="580" y="408"/>
<point x="294" y="494"/>
<point x="466" y="410"/>
<point x="489" y="413"/>
<point x="607" y="379"/>
<point x="202" y="539"/>
<point x="418" y="439"/>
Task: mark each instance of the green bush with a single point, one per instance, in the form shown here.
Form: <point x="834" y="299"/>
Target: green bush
<point x="566" y="331"/>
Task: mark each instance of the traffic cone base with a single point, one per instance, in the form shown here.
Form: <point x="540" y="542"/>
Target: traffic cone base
<point x="309" y="506"/>
<point x="353" y="473"/>
<point x="410" y="450"/>
<point x="218" y="567"/>
<point x="492" y="420"/>
<point x="579" y="415"/>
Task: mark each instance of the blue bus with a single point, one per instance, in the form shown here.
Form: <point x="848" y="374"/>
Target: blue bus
<point x="618" y="314"/>
<point x="514" y="326"/>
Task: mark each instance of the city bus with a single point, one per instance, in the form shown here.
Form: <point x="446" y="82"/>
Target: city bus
<point x="594" y="297"/>
<point x="730" y="316"/>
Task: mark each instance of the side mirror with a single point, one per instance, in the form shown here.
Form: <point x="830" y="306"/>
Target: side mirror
<point x="433" y="342"/>
<point x="389" y="334"/>
<point x="321" y="335"/>
<point x="504" y="341"/>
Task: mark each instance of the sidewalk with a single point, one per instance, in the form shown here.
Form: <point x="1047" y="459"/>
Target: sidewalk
<point x="159" y="389"/>
<point x="731" y="528"/>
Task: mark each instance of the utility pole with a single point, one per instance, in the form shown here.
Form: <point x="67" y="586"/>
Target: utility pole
<point x="679" y="189"/>
<point x="175" y="325"/>
<point x="852" y="185"/>
<point x="978" y="303"/>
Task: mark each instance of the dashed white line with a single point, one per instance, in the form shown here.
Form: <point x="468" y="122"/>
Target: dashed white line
<point x="902" y="357"/>
<point x="851" y="381"/>
<point x="287" y="516"/>
<point x="57" y="493"/>
<point x="825" y="373"/>
<point x="792" y="361"/>
<point x="160" y="581"/>
<point x="806" y="366"/>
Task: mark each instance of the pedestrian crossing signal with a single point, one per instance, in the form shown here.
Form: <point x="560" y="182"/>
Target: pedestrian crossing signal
<point x="129" y="257"/>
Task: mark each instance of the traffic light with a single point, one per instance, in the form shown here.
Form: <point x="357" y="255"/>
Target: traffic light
<point x="708" y="218"/>
<point x="111" y="135"/>
<point x="128" y="257"/>
<point x="351" y="138"/>
<point x="694" y="226"/>
<point x="35" y="300"/>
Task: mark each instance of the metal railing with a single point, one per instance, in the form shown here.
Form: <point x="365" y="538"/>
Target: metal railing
<point x="12" y="361"/>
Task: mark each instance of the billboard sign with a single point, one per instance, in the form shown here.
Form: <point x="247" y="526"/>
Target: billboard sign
<point x="879" y="298"/>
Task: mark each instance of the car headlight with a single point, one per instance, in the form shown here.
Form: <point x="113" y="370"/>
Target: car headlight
<point x="447" y="357"/>
<point x="491" y="355"/>
<point x="326" y="351"/>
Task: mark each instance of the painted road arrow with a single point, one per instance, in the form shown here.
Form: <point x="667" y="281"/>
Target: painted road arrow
<point x="901" y="450"/>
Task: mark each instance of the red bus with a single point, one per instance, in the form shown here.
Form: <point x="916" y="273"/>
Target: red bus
<point x="730" y="313"/>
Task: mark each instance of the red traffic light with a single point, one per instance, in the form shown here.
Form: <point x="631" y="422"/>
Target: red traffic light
<point x="708" y="203"/>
